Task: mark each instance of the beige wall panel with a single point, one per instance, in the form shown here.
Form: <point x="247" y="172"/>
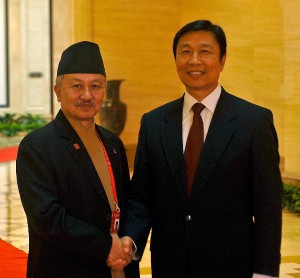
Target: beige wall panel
<point x="291" y="86"/>
<point x="136" y="43"/>
<point x="292" y="149"/>
<point x="237" y="76"/>
<point x="62" y="32"/>
<point x="83" y="20"/>
<point x="268" y="67"/>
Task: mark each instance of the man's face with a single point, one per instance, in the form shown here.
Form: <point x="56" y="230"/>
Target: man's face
<point x="81" y="95"/>
<point x="198" y="62"/>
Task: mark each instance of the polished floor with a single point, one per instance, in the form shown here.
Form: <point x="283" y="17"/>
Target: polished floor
<point x="13" y="227"/>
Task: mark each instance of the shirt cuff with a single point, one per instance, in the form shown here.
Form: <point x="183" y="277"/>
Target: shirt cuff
<point x="135" y="257"/>
<point x="255" y="275"/>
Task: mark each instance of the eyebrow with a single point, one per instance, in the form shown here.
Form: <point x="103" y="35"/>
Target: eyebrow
<point x="80" y="80"/>
<point x="201" y="44"/>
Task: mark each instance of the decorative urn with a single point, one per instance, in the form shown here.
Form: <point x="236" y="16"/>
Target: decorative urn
<point x="113" y="112"/>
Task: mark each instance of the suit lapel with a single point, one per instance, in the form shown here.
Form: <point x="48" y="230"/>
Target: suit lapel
<point x="222" y="128"/>
<point x="79" y="153"/>
<point x="171" y="135"/>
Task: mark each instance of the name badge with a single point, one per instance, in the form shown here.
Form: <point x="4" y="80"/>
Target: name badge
<point x="115" y="221"/>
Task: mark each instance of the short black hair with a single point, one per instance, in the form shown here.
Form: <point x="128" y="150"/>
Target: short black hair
<point x="203" y="25"/>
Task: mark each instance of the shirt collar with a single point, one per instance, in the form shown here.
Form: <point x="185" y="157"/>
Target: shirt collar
<point x="210" y="101"/>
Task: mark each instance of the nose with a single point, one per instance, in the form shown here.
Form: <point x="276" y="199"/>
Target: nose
<point x="86" y="94"/>
<point x="195" y="59"/>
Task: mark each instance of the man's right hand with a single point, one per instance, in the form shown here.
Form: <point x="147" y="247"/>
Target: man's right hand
<point x="117" y="257"/>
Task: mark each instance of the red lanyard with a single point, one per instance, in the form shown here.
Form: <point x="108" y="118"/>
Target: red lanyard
<point x="111" y="174"/>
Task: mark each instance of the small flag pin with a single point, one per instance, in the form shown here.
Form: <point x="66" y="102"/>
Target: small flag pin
<point x="76" y="146"/>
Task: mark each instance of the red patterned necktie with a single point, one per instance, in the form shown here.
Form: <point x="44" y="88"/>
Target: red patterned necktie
<point x="193" y="146"/>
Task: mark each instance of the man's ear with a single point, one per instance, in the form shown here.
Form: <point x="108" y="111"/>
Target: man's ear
<point x="223" y="61"/>
<point x="57" y="91"/>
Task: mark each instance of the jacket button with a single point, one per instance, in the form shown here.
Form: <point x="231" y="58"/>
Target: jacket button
<point x="188" y="218"/>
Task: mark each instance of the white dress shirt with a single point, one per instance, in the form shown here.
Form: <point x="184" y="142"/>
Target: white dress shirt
<point x="210" y="103"/>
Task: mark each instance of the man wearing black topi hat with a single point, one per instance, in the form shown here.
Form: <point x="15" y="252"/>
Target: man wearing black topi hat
<point x="72" y="175"/>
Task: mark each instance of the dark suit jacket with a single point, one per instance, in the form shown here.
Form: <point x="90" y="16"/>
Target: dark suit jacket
<point x="231" y="225"/>
<point x="66" y="206"/>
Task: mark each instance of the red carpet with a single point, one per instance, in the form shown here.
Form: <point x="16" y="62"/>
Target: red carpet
<point x="9" y="153"/>
<point x="12" y="261"/>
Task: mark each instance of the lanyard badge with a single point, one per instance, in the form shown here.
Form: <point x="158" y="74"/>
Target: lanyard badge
<point x="115" y="220"/>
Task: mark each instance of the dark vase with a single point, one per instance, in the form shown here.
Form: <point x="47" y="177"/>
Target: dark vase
<point x="113" y="112"/>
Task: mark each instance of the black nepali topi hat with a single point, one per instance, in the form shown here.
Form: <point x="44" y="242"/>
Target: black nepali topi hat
<point x="81" y="57"/>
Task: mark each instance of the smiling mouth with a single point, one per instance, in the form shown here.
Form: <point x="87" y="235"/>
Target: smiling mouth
<point x="195" y="73"/>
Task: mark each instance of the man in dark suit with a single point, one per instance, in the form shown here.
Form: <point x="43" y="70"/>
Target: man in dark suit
<point x="229" y="223"/>
<point x="72" y="175"/>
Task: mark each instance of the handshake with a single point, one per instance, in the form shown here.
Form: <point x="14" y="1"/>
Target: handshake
<point x="121" y="252"/>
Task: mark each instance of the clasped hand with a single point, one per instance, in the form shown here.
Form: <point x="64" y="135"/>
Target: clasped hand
<point x="120" y="254"/>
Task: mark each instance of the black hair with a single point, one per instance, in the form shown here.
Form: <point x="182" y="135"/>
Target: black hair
<point x="203" y="25"/>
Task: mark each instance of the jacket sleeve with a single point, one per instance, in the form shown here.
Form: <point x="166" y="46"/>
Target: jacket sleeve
<point x="138" y="214"/>
<point x="267" y="197"/>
